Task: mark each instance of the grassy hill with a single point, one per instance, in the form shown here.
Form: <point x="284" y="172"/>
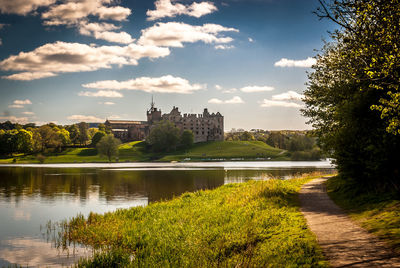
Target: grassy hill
<point x="228" y="150"/>
<point x="136" y="151"/>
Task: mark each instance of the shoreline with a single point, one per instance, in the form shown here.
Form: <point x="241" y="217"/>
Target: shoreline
<point x="200" y="164"/>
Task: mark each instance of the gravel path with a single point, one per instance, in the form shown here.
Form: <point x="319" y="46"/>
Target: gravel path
<point x="344" y="243"/>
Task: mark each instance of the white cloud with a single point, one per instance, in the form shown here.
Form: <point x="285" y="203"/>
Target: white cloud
<point x="251" y="40"/>
<point x="252" y="89"/>
<point x="28" y="113"/>
<point x="215" y="101"/>
<point x="71" y="12"/>
<point x="276" y="103"/>
<point x="104" y="31"/>
<point x="231" y="90"/>
<point x="16" y="106"/>
<point x="14" y="119"/>
<point x="28" y="76"/>
<point x="307" y="63"/>
<point x="174" y="34"/>
<point x="290" y="95"/>
<point x="164" y="84"/>
<point x="101" y="93"/>
<point x="164" y="8"/>
<point x="85" y="118"/>
<point x="22" y="7"/>
<point x="22" y="102"/>
<point x="234" y="100"/>
<point x="61" y="57"/>
<point x="223" y="47"/>
<point x="107" y="103"/>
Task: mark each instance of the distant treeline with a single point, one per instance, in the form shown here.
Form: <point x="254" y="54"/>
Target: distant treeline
<point x="17" y="138"/>
<point x="300" y="144"/>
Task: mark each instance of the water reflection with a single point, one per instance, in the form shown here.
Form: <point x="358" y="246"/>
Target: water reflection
<point x="30" y="196"/>
<point x="36" y="252"/>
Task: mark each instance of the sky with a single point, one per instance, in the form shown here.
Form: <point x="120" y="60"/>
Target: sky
<point x="67" y="61"/>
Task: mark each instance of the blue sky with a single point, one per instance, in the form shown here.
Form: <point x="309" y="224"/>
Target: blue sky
<point x="67" y="61"/>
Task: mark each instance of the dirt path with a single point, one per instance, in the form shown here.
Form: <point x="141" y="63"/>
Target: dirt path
<point x="343" y="242"/>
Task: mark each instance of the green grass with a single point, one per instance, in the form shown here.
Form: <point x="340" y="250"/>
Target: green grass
<point x="136" y="151"/>
<point x="379" y="213"/>
<point x="253" y="224"/>
<point x="228" y="150"/>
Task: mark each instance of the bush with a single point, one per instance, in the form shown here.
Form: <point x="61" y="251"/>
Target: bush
<point x="41" y="158"/>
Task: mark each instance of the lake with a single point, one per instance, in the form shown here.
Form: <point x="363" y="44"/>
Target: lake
<point x="31" y="195"/>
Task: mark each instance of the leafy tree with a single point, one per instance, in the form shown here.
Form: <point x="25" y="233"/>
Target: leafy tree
<point x="7" y="125"/>
<point x="246" y="136"/>
<point x="91" y="132"/>
<point x="276" y="139"/>
<point x="187" y="139"/>
<point x="64" y="137"/>
<point x="74" y="133"/>
<point x="24" y="140"/>
<point x="108" y="146"/>
<point x="102" y="127"/>
<point x="369" y="42"/>
<point x="163" y="137"/>
<point x="353" y="77"/>
<point x="83" y="133"/>
<point x="97" y="137"/>
<point x="8" y="142"/>
<point x="48" y="138"/>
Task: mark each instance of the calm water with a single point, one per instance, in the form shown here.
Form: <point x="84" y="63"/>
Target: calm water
<point x="31" y="195"/>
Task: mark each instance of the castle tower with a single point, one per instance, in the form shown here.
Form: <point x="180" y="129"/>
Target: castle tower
<point x="153" y="114"/>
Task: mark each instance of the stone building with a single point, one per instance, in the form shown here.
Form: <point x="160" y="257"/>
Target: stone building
<point x="205" y="126"/>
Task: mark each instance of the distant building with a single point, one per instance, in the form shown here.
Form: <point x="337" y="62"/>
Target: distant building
<point x="205" y="127"/>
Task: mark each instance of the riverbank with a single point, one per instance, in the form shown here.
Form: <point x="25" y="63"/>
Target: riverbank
<point x="137" y="152"/>
<point x="255" y="224"/>
<point x="377" y="212"/>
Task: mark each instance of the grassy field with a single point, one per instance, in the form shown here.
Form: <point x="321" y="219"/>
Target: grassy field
<point x="253" y="224"/>
<point x="377" y="212"/>
<point x="135" y="151"/>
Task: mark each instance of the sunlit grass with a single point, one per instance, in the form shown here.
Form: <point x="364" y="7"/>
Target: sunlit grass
<point x="136" y="151"/>
<point x="378" y="212"/>
<point x="253" y="224"/>
<point x="228" y="150"/>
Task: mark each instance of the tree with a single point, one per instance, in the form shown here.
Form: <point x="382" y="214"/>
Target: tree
<point x="48" y="137"/>
<point x="187" y="139"/>
<point x="64" y="136"/>
<point x="24" y="141"/>
<point x="247" y="136"/>
<point x="83" y="133"/>
<point x="370" y="40"/>
<point x="97" y="137"/>
<point x="163" y="137"/>
<point x="349" y="84"/>
<point x="74" y="133"/>
<point x="108" y="146"/>
<point x="8" y="142"/>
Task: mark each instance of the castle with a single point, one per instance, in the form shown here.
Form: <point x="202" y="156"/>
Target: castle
<point x="205" y="127"/>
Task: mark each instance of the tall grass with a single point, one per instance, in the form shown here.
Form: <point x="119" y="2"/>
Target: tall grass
<point x="377" y="211"/>
<point x="253" y="224"/>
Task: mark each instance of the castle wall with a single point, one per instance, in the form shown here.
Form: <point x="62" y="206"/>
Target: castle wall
<point x="205" y="127"/>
